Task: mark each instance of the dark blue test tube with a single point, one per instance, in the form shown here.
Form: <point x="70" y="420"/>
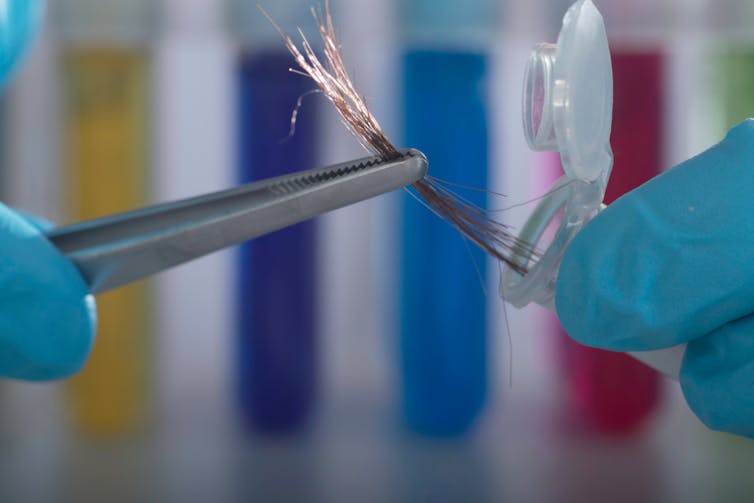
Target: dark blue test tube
<point x="277" y="280"/>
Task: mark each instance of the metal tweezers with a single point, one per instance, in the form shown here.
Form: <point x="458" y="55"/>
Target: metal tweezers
<point x="116" y="250"/>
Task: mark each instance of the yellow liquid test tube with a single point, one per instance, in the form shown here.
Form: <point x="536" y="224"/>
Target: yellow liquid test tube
<point x="106" y="143"/>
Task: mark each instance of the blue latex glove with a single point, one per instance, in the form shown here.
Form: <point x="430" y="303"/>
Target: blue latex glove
<point x="47" y="315"/>
<point x="19" y="20"/>
<point x="673" y="262"/>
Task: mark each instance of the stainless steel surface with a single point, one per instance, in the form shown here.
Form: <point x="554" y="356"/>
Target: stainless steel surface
<point x="119" y="249"/>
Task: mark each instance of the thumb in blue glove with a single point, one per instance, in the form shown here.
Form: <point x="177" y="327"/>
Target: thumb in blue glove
<point x="673" y="262"/>
<point x="47" y="315"/>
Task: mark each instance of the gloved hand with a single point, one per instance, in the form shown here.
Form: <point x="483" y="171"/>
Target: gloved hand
<point x="47" y="315"/>
<point x="673" y="262"/>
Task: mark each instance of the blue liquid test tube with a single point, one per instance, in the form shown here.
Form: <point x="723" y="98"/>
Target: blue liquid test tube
<point x="443" y="319"/>
<point x="276" y="304"/>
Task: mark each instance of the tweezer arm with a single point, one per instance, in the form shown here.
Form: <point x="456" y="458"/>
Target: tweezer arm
<point x="116" y="250"/>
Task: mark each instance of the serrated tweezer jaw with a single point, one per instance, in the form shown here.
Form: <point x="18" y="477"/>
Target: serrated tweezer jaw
<point x="113" y="251"/>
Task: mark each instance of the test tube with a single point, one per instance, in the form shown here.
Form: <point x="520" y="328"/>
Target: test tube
<point x="609" y="392"/>
<point x="277" y="282"/>
<point x="443" y="318"/>
<point x="105" y="66"/>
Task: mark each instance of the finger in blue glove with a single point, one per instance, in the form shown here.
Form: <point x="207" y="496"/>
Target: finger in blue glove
<point x="47" y="315"/>
<point x="673" y="262"/>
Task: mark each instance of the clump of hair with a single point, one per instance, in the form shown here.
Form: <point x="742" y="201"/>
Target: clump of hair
<point x="332" y="78"/>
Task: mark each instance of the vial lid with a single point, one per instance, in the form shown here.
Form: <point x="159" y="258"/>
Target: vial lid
<point x="568" y="95"/>
<point x="568" y="107"/>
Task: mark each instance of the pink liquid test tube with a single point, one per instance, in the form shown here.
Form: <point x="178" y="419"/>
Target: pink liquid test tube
<point x="608" y="392"/>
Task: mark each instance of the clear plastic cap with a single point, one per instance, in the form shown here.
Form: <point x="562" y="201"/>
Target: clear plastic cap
<point x="568" y="102"/>
<point x="568" y="95"/>
<point x="568" y="107"/>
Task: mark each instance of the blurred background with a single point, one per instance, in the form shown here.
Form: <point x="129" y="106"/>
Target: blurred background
<point x="366" y="355"/>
